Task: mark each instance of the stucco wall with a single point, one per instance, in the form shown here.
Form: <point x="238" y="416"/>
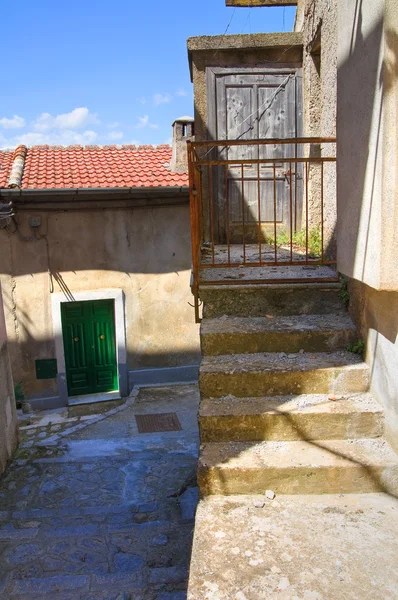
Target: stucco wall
<point x="368" y="142"/>
<point x="318" y="23"/>
<point x="368" y="185"/>
<point x="376" y="315"/>
<point x="144" y="252"/>
<point x="8" y="419"/>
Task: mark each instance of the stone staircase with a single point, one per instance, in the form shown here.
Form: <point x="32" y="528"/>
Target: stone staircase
<point x="284" y="405"/>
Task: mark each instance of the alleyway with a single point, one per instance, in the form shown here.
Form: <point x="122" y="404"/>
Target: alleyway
<point x="91" y="509"/>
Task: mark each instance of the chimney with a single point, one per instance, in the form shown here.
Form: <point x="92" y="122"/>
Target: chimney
<point x="183" y="130"/>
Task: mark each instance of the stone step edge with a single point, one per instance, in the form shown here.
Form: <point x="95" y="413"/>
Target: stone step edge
<point x="254" y="455"/>
<point x="231" y="325"/>
<point x="231" y="406"/>
<point x="222" y="364"/>
<point x="261" y="419"/>
<point x="324" y="467"/>
<point x="205" y="286"/>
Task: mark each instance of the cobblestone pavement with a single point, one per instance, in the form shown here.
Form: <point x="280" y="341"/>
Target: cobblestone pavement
<point x="101" y="512"/>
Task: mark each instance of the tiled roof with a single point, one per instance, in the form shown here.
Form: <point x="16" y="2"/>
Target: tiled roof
<point x="6" y="159"/>
<point x="48" y="167"/>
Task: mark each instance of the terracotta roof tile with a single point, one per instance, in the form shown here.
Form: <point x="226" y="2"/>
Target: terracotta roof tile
<point x="94" y="166"/>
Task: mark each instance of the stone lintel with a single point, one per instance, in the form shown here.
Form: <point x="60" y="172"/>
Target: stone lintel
<point x="244" y="41"/>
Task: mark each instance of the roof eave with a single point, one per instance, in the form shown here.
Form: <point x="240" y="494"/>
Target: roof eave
<point x="132" y="191"/>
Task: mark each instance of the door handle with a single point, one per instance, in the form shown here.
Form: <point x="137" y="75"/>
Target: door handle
<point x="76" y="339"/>
<point x="102" y="337"/>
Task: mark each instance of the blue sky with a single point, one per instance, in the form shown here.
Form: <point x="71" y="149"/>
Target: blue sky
<point x="100" y="72"/>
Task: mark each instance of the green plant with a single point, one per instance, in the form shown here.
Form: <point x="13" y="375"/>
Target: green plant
<point x="19" y="393"/>
<point x="357" y="348"/>
<point x="299" y="239"/>
<point x="344" y="293"/>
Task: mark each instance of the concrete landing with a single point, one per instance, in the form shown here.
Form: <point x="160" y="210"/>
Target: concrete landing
<point x="280" y="273"/>
<point x="295" y="548"/>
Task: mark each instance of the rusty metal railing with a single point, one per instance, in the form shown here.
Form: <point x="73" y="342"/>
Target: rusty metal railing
<point x="261" y="203"/>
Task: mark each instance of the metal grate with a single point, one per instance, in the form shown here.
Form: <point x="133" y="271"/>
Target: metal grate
<point x="158" y="423"/>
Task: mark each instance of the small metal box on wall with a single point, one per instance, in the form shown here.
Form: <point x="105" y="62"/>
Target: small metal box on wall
<point x="46" y="368"/>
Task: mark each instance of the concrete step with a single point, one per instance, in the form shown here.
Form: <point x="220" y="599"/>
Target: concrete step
<point x="322" y="467"/>
<point x="268" y="373"/>
<point x="277" y="299"/>
<point x="286" y="418"/>
<point x="312" y="333"/>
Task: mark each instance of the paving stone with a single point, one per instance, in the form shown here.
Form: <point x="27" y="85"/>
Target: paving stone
<point x="3" y="585"/>
<point x="127" y="562"/>
<point x="148" y="508"/>
<point x="188" y="503"/>
<point x="22" y="554"/>
<point x="73" y="531"/>
<point x="111" y="596"/>
<point x="160" y="540"/>
<point x="168" y="575"/>
<point x="78" y="508"/>
<point x="18" y="534"/>
<point x="49" y="585"/>
<point x="120" y="582"/>
<point x="172" y="596"/>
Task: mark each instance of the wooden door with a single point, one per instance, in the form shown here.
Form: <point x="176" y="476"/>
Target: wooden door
<point x="88" y="330"/>
<point x="256" y="104"/>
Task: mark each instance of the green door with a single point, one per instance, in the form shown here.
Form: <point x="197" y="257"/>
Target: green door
<point x="88" y="330"/>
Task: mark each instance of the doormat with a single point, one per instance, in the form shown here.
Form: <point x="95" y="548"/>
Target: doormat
<point x="158" y="423"/>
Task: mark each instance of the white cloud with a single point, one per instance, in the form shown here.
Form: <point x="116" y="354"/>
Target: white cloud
<point x="113" y="125"/>
<point x="115" y="135"/>
<point x="143" y="100"/>
<point x="161" y="99"/>
<point x="181" y="93"/>
<point x="76" y="119"/>
<point x="144" y="122"/>
<point x="59" y="138"/>
<point x="15" y="122"/>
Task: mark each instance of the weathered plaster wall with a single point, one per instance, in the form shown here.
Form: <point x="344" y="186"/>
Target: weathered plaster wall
<point x="144" y="252"/>
<point x="367" y="133"/>
<point x="376" y="315"/>
<point x="317" y="20"/>
<point x="368" y="142"/>
<point x="8" y="418"/>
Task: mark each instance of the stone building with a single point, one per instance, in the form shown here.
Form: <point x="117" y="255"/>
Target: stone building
<point x="95" y="266"/>
<point x="350" y="52"/>
<point x="299" y="398"/>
